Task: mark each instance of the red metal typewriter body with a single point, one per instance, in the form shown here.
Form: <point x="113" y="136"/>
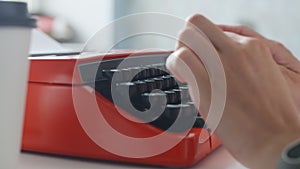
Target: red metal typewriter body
<point x="51" y="125"/>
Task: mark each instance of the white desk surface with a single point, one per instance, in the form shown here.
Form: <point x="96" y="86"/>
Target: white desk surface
<point x="220" y="159"/>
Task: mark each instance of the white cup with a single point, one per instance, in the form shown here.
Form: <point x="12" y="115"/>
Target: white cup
<point x="15" y="30"/>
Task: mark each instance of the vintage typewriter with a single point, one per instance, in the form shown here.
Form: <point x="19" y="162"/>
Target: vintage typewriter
<point x="52" y="125"/>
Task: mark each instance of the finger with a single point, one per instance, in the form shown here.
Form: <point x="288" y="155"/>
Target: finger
<point x="178" y="61"/>
<point x="186" y="66"/>
<point x="241" y="30"/>
<point x="213" y="32"/>
<point x="179" y="45"/>
<point x="172" y="63"/>
<point x="235" y="37"/>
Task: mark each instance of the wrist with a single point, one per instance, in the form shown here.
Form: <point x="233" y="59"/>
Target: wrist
<point x="290" y="157"/>
<point x="270" y="155"/>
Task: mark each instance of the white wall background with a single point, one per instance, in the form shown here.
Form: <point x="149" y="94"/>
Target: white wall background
<point x="276" y="19"/>
<point x="85" y="16"/>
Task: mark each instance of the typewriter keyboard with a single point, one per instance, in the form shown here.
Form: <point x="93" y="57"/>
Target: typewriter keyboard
<point x="147" y="85"/>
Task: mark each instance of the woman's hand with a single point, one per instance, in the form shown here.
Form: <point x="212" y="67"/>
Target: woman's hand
<point x="259" y="117"/>
<point x="289" y="65"/>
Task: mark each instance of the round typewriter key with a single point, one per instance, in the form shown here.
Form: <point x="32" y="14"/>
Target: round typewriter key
<point x="172" y="97"/>
<point x="167" y="82"/>
<point x="188" y="115"/>
<point x="185" y="95"/>
<point x="177" y="91"/>
<point x="151" y="85"/>
<point x="146" y="73"/>
<point x="155" y="98"/>
<point x="173" y="82"/>
<point x="172" y="111"/>
<point x="158" y="70"/>
<point x="110" y="73"/>
<point x="159" y="83"/>
<point x="122" y="88"/>
<point x="178" y="94"/>
<point x="136" y="72"/>
<point x="126" y="74"/>
<point x="141" y="86"/>
<point x="153" y="72"/>
<point x="191" y="110"/>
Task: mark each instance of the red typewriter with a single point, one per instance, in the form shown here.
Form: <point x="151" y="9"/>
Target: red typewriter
<point x="53" y="125"/>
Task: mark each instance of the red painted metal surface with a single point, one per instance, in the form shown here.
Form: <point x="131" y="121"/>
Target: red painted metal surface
<point x="51" y="124"/>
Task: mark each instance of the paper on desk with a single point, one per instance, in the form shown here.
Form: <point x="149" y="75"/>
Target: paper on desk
<point x="42" y="44"/>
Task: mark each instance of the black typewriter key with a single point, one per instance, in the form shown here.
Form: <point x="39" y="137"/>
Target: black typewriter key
<point x="146" y="73"/>
<point x="168" y="117"/>
<point x="177" y="91"/>
<point x="112" y="72"/>
<point x="126" y="75"/>
<point x="167" y="82"/>
<point x="185" y="95"/>
<point x="178" y="94"/>
<point x="191" y="104"/>
<point x="142" y="73"/>
<point x="159" y="83"/>
<point x="191" y="110"/>
<point x="153" y="72"/>
<point x="187" y="115"/>
<point x="172" y="111"/>
<point x="172" y="97"/>
<point x="122" y="88"/>
<point x="155" y="97"/>
<point x="136" y="71"/>
<point x="199" y="123"/>
<point x="187" y="111"/>
<point x="162" y="69"/>
<point x="173" y="82"/>
<point x="108" y="73"/>
<point x="151" y="84"/>
<point x="141" y="86"/>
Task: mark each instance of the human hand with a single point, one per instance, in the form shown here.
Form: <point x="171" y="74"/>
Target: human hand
<point x="289" y="65"/>
<point x="259" y="118"/>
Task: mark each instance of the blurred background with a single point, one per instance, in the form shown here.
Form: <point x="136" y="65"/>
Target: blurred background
<point x="70" y="21"/>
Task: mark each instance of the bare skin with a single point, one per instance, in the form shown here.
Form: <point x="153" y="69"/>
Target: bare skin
<point x="288" y="63"/>
<point x="260" y="117"/>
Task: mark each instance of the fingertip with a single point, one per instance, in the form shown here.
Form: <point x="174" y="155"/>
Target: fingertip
<point x="172" y="64"/>
<point x="195" y="18"/>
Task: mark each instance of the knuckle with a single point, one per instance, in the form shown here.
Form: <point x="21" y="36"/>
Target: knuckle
<point x="185" y="32"/>
<point x="255" y="43"/>
<point x="184" y="55"/>
<point x="195" y="18"/>
<point x="185" y="35"/>
<point x="278" y="44"/>
<point x="243" y="28"/>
